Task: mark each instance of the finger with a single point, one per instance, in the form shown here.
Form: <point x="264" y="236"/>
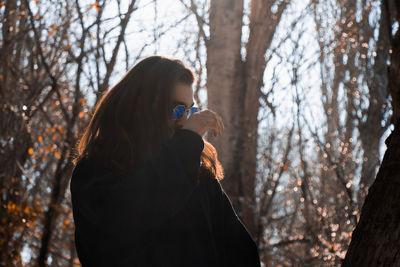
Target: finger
<point x="205" y="115"/>
<point x="220" y="126"/>
<point x="214" y="122"/>
<point x="216" y="129"/>
<point x="220" y="123"/>
<point x="213" y="125"/>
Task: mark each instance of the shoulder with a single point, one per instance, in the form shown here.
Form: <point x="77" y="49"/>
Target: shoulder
<point x="208" y="178"/>
<point x="89" y="174"/>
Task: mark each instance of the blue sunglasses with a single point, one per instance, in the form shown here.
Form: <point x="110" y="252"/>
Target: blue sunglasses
<point x="179" y="110"/>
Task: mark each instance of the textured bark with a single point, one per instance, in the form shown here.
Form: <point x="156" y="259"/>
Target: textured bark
<point x="375" y="241"/>
<point x="376" y="238"/>
<point x="224" y="87"/>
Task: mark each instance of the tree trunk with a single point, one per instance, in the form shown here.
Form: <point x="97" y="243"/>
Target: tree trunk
<point x="224" y="87"/>
<point x="375" y="241"/>
<point x="233" y="92"/>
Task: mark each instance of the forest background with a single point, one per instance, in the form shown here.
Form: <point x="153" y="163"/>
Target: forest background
<point x="308" y="92"/>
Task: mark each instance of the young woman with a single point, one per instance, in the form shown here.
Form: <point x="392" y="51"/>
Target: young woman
<point x="145" y="189"/>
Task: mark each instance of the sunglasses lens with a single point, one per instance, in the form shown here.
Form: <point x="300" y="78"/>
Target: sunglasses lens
<point x="179" y="111"/>
<point x="193" y="110"/>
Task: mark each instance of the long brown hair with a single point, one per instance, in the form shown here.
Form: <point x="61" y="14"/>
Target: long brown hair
<point x="134" y="117"/>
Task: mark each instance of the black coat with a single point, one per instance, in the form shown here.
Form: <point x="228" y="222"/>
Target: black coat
<point x="161" y="216"/>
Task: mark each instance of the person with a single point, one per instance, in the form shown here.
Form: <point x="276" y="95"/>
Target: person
<point x="145" y="187"/>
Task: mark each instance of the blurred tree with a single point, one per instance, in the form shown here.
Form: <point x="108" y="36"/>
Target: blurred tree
<point x="375" y="239"/>
<point x="43" y="111"/>
<point x="234" y="80"/>
<point x="301" y="86"/>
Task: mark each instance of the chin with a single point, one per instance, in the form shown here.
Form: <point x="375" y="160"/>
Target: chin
<point x="177" y="128"/>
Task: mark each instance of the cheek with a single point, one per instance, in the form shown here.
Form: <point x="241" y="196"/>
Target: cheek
<point x="181" y="120"/>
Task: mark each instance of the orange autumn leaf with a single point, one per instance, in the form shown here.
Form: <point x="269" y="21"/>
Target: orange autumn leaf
<point x="11" y="206"/>
<point x="92" y="5"/>
<point x="53" y="147"/>
<point x="67" y="47"/>
<point x="30" y="151"/>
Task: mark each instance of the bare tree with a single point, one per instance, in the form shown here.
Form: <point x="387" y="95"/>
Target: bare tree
<point x="375" y="239"/>
<point x="233" y="86"/>
<point x="302" y="88"/>
<point x="43" y="110"/>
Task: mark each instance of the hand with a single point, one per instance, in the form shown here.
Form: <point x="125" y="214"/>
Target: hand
<point x="204" y="120"/>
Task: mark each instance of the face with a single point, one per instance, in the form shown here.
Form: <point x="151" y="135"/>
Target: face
<point x="183" y="94"/>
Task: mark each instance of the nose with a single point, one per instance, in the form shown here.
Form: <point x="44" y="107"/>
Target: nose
<point x="180" y="121"/>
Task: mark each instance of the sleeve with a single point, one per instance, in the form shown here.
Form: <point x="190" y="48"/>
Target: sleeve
<point x="240" y="248"/>
<point x="132" y="205"/>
